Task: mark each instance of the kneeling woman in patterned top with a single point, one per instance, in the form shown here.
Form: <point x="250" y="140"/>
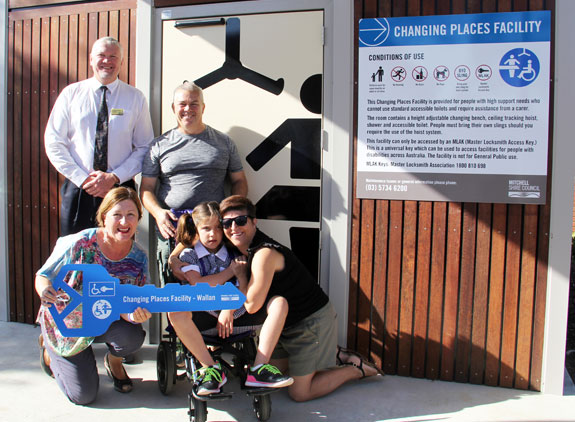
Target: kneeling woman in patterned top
<point x="70" y="360"/>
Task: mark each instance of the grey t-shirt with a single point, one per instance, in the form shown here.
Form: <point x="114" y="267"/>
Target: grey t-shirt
<point x="191" y="168"/>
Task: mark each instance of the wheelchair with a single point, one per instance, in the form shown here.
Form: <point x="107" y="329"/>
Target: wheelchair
<point x="174" y="362"/>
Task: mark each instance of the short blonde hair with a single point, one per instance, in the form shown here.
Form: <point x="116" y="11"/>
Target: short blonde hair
<point x="114" y="197"/>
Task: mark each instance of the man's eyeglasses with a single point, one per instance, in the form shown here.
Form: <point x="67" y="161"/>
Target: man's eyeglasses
<point x="240" y="220"/>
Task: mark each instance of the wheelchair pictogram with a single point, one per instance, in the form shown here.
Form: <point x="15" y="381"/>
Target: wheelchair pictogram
<point x="102" y="309"/>
<point x="519" y="67"/>
<point x="101" y="288"/>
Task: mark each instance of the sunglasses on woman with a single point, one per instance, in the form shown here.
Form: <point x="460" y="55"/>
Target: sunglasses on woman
<point x="240" y="220"/>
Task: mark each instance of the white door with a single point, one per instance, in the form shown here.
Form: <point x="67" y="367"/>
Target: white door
<point x="262" y="80"/>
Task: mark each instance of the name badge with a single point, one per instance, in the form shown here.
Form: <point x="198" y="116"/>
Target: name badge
<point x="117" y="112"/>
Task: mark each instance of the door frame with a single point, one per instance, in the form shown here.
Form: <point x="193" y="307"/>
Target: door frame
<point x="337" y="136"/>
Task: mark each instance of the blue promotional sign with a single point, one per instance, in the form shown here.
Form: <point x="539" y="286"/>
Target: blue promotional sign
<point x="103" y="299"/>
<point x="456" y="29"/>
<point x="454" y="108"/>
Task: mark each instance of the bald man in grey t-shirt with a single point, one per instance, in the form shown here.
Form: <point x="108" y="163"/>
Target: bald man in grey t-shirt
<point x="187" y="165"/>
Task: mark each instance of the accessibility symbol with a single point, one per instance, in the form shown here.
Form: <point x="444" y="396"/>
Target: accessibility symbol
<point x="519" y="67"/>
<point x="102" y="309"/>
<point x="373" y="32"/>
<point x="102" y="288"/>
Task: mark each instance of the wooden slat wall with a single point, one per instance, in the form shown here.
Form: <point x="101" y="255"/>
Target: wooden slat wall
<point x="48" y="48"/>
<point x="451" y="291"/>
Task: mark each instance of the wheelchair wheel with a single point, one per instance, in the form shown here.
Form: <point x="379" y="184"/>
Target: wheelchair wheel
<point x="263" y="406"/>
<point x="198" y="409"/>
<point x="166" y="367"/>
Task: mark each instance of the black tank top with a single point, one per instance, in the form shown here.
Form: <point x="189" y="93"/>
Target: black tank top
<point x="294" y="282"/>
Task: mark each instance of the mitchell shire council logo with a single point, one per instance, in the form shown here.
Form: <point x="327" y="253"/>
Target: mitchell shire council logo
<point x="373" y="32"/>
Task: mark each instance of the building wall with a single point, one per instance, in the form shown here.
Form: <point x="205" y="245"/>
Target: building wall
<point x="450" y="291"/>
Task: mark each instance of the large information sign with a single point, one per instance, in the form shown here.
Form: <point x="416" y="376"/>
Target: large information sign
<point x="454" y="108"/>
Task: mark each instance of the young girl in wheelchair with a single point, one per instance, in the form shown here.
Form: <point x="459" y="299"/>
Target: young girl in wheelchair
<point x="206" y="259"/>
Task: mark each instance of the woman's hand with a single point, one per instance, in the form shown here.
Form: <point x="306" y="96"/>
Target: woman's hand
<point x="139" y="316"/>
<point x="48" y="296"/>
<point x="46" y="292"/>
<point x="240" y="266"/>
<point x="225" y="323"/>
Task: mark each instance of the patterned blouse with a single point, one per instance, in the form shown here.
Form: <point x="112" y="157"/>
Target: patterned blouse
<point x="83" y="248"/>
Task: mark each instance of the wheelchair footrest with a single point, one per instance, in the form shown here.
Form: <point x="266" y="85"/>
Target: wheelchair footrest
<point x="212" y="397"/>
<point x="259" y="391"/>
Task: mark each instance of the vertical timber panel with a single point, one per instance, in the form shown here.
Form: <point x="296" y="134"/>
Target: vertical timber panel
<point x="365" y="276"/>
<point x="434" y="338"/>
<point x="10" y="170"/>
<point x="511" y="293"/>
<point x="451" y="293"/>
<point x="17" y="171"/>
<point x="480" y="294"/>
<point x="393" y="287"/>
<point x="35" y="157"/>
<point x="465" y="308"/>
<point x="526" y="297"/>
<point x="421" y="309"/>
<point x="407" y="288"/>
<point x="379" y="280"/>
<point x="26" y="146"/>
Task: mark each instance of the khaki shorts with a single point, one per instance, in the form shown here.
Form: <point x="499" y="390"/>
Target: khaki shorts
<point x="311" y="344"/>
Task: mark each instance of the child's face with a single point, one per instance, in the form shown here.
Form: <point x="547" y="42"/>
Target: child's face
<point x="210" y="233"/>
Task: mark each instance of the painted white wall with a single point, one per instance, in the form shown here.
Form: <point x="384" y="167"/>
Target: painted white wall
<point x="561" y="202"/>
<point x="338" y="124"/>
<point x="4" y="298"/>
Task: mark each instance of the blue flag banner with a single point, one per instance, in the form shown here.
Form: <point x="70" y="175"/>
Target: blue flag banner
<point x="103" y="299"/>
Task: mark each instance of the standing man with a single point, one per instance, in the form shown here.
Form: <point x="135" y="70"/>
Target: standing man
<point x="307" y="346"/>
<point x="185" y="166"/>
<point x="97" y="135"/>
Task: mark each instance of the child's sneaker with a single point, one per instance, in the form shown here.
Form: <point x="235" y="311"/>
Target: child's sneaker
<point x="267" y="376"/>
<point x="212" y="379"/>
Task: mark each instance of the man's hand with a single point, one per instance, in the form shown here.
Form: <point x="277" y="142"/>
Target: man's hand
<point x="164" y="220"/>
<point x="99" y="183"/>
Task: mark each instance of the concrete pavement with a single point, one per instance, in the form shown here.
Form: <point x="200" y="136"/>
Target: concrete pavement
<point x="27" y="394"/>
